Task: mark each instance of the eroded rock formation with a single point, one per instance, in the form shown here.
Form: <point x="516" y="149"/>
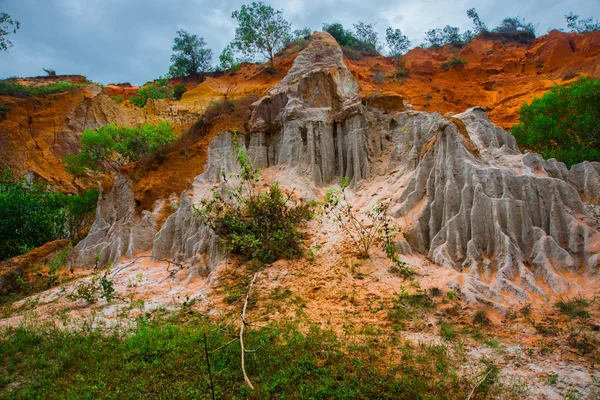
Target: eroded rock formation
<point x="511" y="225"/>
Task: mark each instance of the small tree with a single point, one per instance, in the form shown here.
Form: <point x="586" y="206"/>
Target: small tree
<point x="478" y="25"/>
<point x="7" y="26"/>
<point x="49" y="71"/>
<point x="191" y="56"/>
<point x="366" y="33"/>
<point x="515" y="24"/>
<point x="397" y="42"/>
<point x="261" y="29"/>
<point x="581" y="25"/>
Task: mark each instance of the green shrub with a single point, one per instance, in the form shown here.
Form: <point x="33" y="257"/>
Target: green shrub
<point x="31" y="214"/>
<point x="160" y="89"/>
<point x="118" y="98"/>
<point x="564" y="123"/>
<point x="10" y="87"/>
<point x="256" y="225"/>
<point x="454" y="62"/>
<point x="4" y="108"/>
<point x="112" y="146"/>
<point x="179" y="90"/>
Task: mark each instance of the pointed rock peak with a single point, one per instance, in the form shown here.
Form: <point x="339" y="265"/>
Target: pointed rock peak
<point x="323" y="53"/>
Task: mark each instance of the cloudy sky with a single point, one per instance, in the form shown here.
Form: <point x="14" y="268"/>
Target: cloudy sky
<point x="130" y="40"/>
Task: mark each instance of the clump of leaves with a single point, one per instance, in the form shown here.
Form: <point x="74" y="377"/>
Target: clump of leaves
<point x="252" y="224"/>
<point x="574" y="308"/>
<point x="119" y="99"/>
<point x="454" y="62"/>
<point x="160" y="89"/>
<point x="564" y="123"/>
<point x="447" y="332"/>
<point x="481" y="318"/>
<point x="178" y="91"/>
<point x="101" y="286"/>
<point x="407" y="306"/>
<point x="112" y="146"/>
<point x="4" y="108"/>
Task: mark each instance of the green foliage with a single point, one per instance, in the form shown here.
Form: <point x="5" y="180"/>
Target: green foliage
<point x="366" y="33"/>
<point x="178" y="91"/>
<point x="397" y="42"/>
<point x="4" y="108"/>
<point x="447" y="332"/>
<point x="364" y="229"/>
<point x="564" y="123"/>
<point x="261" y="29"/>
<point x="11" y="87"/>
<point x="31" y="214"/>
<point x="113" y="146"/>
<point x="49" y="71"/>
<point x="191" y="56"/>
<point x="574" y="308"/>
<point x="253" y="225"/>
<point x="456" y="61"/>
<point x="119" y="99"/>
<point x="348" y="39"/>
<point x="410" y="306"/>
<point x="448" y="35"/>
<point x="7" y="26"/>
<point x="297" y="35"/>
<point x="157" y="359"/>
<point x="586" y="25"/>
<point x="160" y="89"/>
<point x="478" y="24"/>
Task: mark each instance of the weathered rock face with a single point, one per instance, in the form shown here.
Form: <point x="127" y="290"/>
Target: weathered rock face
<point x="513" y="223"/>
<point x="313" y="119"/>
<point x="117" y="231"/>
<point x="510" y="225"/>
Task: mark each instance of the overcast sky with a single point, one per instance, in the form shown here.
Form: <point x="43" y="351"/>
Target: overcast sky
<point x="113" y="41"/>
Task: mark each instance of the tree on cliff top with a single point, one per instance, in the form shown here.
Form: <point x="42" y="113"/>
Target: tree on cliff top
<point x="261" y="29"/>
<point x="191" y="56"/>
<point x="7" y="26"/>
<point x="581" y="25"/>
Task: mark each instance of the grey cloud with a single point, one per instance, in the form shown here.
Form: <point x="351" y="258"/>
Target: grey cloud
<point x="130" y="40"/>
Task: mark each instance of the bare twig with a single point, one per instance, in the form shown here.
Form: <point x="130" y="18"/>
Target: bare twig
<point x="212" y="386"/>
<point x="242" y="325"/>
<point x="476" y="386"/>
<point x="225" y="345"/>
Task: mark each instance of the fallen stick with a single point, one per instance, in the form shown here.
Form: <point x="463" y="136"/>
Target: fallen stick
<point x="242" y="325"/>
<point x="479" y="384"/>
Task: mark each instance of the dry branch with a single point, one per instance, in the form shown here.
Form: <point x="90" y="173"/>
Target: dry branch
<point x="242" y="325"/>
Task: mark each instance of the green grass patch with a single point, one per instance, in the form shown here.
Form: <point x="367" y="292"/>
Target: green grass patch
<point x="165" y="359"/>
<point x="13" y="88"/>
<point x="574" y="308"/>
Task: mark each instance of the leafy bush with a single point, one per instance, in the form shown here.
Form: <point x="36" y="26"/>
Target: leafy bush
<point x="256" y="226"/>
<point x="350" y="40"/>
<point x="160" y="89"/>
<point x="119" y="99"/>
<point x="11" y="87"/>
<point x="178" y="91"/>
<point x="31" y="214"/>
<point x="4" y="108"/>
<point x="448" y="35"/>
<point x="113" y="146"/>
<point x="564" y="123"/>
<point x="454" y="62"/>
